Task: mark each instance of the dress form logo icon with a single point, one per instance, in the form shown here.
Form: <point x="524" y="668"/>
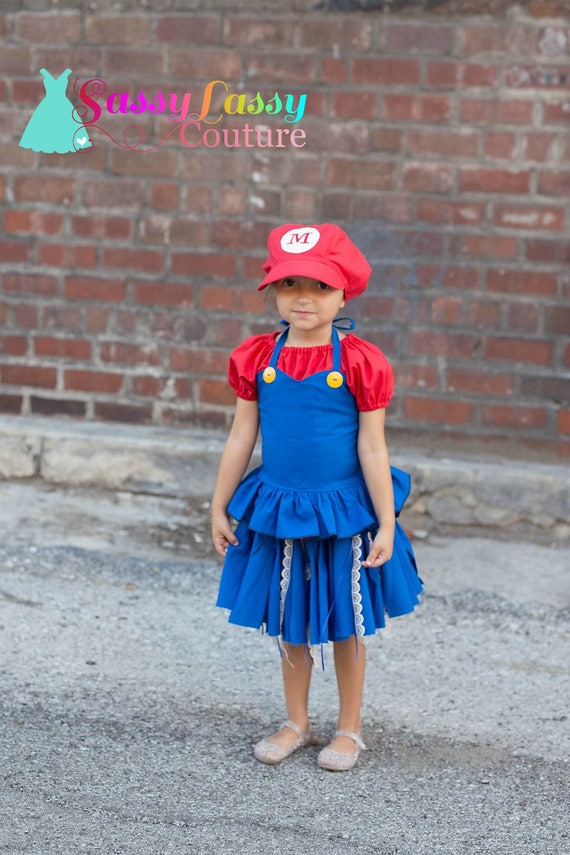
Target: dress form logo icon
<point x="300" y="240"/>
<point x="52" y="127"/>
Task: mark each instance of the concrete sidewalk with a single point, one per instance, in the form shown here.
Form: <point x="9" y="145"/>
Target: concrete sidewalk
<point x="481" y="493"/>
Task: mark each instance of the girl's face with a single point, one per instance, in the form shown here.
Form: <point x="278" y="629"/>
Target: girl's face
<point x="308" y="305"/>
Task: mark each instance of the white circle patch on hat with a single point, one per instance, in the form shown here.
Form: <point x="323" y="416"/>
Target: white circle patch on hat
<point x="300" y="240"/>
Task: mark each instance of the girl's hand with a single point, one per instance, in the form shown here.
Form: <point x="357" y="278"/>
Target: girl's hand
<point x="222" y="533"/>
<point x="380" y="549"/>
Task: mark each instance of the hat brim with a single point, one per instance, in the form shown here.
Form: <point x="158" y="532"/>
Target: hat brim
<point x="305" y="267"/>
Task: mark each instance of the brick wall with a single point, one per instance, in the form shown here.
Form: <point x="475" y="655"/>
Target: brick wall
<point x="438" y="138"/>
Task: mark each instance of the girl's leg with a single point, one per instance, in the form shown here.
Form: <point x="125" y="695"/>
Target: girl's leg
<point x="297" y="668"/>
<point x="350" y="662"/>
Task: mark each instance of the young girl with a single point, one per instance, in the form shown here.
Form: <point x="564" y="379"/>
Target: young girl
<point x="317" y="555"/>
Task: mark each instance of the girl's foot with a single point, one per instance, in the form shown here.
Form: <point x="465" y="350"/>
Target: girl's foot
<point x="342" y="754"/>
<point x="276" y="748"/>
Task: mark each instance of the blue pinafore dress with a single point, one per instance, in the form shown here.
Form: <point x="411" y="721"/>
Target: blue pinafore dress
<point x="306" y="520"/>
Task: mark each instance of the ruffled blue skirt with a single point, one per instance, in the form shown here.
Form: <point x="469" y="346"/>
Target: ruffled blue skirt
<point x="312" y="587"/>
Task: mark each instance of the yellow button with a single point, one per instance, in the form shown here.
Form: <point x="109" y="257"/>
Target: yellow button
<point x="269" y="374"/>
<point x="335" y="379"/>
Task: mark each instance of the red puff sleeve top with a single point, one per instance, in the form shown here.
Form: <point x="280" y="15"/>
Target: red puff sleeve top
<point x="368" y="373"/>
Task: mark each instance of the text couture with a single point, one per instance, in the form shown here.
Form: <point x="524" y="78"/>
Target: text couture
<point x="193" y="134"/>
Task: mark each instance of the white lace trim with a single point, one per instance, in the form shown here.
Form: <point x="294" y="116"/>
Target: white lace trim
<point x="285" y="579"/>
<point x="356" y="595"/>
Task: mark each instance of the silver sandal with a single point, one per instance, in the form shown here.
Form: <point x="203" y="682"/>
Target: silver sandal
<point x="338" y="761"/>
<point x="268" y="752"/>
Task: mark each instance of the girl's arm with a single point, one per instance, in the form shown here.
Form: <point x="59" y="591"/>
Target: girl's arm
<point x="235" y="459"/>
<point x="375" y="463"/>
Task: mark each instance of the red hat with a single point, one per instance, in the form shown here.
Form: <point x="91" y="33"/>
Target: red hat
<point x="322" y="252"/>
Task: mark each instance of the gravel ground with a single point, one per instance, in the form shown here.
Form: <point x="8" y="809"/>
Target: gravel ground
<point x="128" y="705"/>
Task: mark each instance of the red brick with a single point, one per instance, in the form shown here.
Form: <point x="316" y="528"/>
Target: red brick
<point x="141" y="260"/>
<point x="529" y="217"/>
<point x="14" y="251"/>
<point x="441" y="411"/>
<point x="493" y="112"/>
<point x="537" y="77"/>
<point x="557" y="320"/>
<point x="113" y="228"/>
<point x="415" y="376"/>
<point x="459" y="75"/>
<point x="208" y="64"/>
<point x="416" y="108"/>
<point x="361" y="174"/>
<point x="235" y="200"/>
<point x="148" y="387"/>
<point x="476" y="179"/>
<point x="162" y="293"/>
<point x="556" y="114"/>
<point x="61" y="318"/>
<point x="28" y="375"/>
<point x="16" y="60"/>
<point x="96" y="319"/>
<point x="92" y="381"/>
<point x="427" y="177"/>
<point x="451" y="276"/>
<point x="55" y="191"/>
<point x="517" y="281"/>
<point x="522" y="317"/>
<point x="484" y="383"/>
<point x="124" y="323"/>
<point x="417" y="37"/>
<point x="442" y="344"/>
<point x="14" y="345"/>
<point x="203" y="264"/>
<point x="87" y="288"/>
<point x="301" y="205"/>
<point x="385" y="71"/>
<point x="114" y="194"/>
<point x="333" y="70"/>
<point x="504" y="416"/>
<point x="132" y="163"/>
<point x="548" y="251"/>
<point x="554" y="183"/>
<point x="25" y="315"/>
<point x="564" y="421"/>
<point x="129" y="354"/>
<point x="445" y="211"/>
<point x="59" y="27"/>
<point x="449" y="311"/>
<point x="204" y="361"/>
<point x="30" y="283"/>
<point x="164" y="195"/>
<point x="519" y="350"/>
<point x="192" y="29"/>
<point x="354" y="105"/>
<point x="57" y="407"/>
<point x="83" y="60"/>
<point x="495" y="38"/>
<point x="66" y="255"/>
<point x="249" y="31"/>
<point x="26" y="92"/>
<point x="396" y="209"/>
<point x="538" y="146"/>
<point x="555" y="389"/>
<point x="62" y="348"/>
<point x="118" y="29"/>
<point x="348" y="35"/>
<point x="187" y="231"/>
<point x="231" y="299"/>
<point x="11" y="404"/>
<point x="386" y="139"/>
<point x="135" y="414"/>
<point x="500" y="145"/>
<point x="484" y="246"/>
<point x="216" y="392"/>
<point x="484" y="313"/>
<point x="32" y="222"/>
<point x="443" y="142"/>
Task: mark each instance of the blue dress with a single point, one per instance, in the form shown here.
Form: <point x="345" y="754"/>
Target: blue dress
<point x="306" y="520"/>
